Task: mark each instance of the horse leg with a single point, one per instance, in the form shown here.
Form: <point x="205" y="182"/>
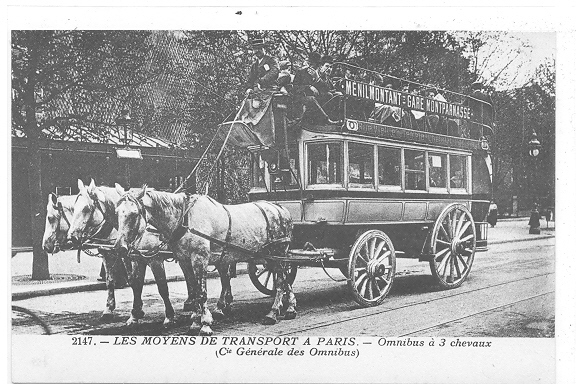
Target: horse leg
<point x="108" y="259"/>
<point x="137" y="283"/>
<point x="272" y="316"/>
<point x="223" y="307"/>
<point x="291" y="310"/>
<point x="202" y="295"/>
<point x="191" y="303"/>
<point x="187" y="272"/>
<point x="157" y="266"/>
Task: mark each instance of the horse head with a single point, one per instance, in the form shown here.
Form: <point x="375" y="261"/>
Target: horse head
<point x="89" y="216"/>
<point x="57" y="223"/>
<point x="132" y="218"/>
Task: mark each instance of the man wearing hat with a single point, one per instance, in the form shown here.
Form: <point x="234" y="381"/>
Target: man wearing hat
<point x="305" y="91"/>
<point x="264" y="71"/>
<point x="482" y="108"/>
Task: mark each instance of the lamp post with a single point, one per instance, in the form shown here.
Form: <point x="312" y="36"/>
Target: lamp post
<point x="124" y="121"/>
<point x="534" y="147"/>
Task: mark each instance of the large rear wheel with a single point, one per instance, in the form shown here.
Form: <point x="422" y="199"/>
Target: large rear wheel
<point x="371" y="268"/>
<point x="453" y="244"/>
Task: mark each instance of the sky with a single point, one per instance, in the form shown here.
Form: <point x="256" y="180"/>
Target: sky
<point x="542" y="48"/>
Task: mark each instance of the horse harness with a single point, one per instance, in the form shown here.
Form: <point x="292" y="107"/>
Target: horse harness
<point x="103" y="229"/>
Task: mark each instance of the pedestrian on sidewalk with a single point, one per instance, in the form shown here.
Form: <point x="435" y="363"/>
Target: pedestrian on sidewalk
<point x="493" y="214"/>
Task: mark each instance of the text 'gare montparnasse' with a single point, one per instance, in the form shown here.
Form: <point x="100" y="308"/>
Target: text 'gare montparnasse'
<point x="406" y="100"/>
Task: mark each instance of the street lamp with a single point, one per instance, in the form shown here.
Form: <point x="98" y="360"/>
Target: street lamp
<point x="127" y="153"/>
<point x="534" y="147"/>
<point x="124" y="121"/>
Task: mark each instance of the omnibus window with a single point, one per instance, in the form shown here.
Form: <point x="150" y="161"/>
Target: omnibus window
<point x="389" y="166"/>
<point x="438" y="169"/>
<point x="294" y="166"/>
<point x="458" y="174"/>
<point x="414" y="170"/>
<point x="325" y="163"/>
<point x="258" y="171"/>
<point x="361" y="165"/>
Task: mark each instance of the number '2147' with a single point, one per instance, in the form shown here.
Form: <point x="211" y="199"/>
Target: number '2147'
<point x="86" y="340"/>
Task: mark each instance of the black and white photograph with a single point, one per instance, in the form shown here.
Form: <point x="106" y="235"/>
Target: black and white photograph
<point x="344" y="198"/>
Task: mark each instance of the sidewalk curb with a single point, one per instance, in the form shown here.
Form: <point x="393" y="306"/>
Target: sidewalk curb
<point x="95" y="286"/>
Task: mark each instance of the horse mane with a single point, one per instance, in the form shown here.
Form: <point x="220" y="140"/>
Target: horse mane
<point x="163" y="202"/>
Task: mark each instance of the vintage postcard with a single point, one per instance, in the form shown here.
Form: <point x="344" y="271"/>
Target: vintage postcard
<point x="290" y="194"/>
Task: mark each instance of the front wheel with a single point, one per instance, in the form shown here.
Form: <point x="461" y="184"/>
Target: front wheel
<point x="371" y="268"/>
<point x="453" y="244"/>
<point x="264" y="279"/>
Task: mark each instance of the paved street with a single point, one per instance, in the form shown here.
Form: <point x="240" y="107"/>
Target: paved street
<point x="510" y="293"/>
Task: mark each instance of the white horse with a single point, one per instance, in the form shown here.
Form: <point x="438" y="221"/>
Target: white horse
<point x="94" y="212"/>
<point x="59" y="211"/>
<point x="191" y="223"/>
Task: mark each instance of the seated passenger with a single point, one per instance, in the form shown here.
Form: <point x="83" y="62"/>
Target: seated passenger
<point x="387" y="114"/>
<point x="285" y="77"/>
<point x="482" y="108"/>
<point x="305" y="93"/>
<point x="329" y="97"/>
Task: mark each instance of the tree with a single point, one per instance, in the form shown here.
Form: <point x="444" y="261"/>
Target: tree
<point x="61" y="78"/>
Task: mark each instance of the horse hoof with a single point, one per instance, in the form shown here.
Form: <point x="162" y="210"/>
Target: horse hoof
<point x="269" y="319"/>
<point x="188" y="307"/>
<point x="168" y="321"/>
<point x="107" y="316"/>
<point x="290" y="315"/>
<point x="131" y="321"/>
<point x="138" y="314"/>
<point x="218" y="314"/>
<point x="194" y="330"/>
<point x="206" y="331"/>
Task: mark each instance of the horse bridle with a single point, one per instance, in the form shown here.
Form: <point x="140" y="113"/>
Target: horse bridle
<point x="61" y="214"/>
<point x="95" y="205"/>
<point x="141" y="215"/>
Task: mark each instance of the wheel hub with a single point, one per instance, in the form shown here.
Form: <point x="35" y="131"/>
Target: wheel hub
<point x="456" y="247"/>
<point x="375" y="268"/>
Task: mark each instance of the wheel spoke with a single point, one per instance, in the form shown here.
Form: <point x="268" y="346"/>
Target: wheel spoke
<point x="460" y="222"/>
<point x="260" y="272"/>
<point x="470" y="236"/>
<point x="379" y="249"/>
<point x="369" y="289"/>
<point x="451" y="270"/>
<point x="444" y="232"/>
<point x="442" y="242"/>
<point x="360" y="279"/>
<point x="453" y="223"/>
<point x="267" y="279"/>
<point x="440" y="253"/>
<point x="362" y="285"/>
<point x="274" y="278"/>
<point x="362" y="258"/>
<point x="377" y="290"/>
<point x="457" y="267"/>
<point x="384" y="280"/>
<point x="384" y="256"/>
<point x="443" y="264"/>
<point x="371" y="254"/>
<point x="464" y="263"/>
<point x="464" y="228"/>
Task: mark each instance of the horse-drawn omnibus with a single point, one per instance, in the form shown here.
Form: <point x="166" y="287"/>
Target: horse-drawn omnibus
<point x="403" y="174"/>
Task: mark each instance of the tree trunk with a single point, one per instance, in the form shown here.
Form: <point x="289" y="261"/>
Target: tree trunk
<point x="40" y="269"/>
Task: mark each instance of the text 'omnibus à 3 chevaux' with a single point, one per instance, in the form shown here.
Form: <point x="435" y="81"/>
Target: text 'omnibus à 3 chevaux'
<point x="404" y="172"/>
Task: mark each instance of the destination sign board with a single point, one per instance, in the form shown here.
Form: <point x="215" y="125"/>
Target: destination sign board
<point x="410" y="101"/>
<point x="394" y="133"/>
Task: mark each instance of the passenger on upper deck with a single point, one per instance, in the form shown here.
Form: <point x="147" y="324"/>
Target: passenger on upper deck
<point x="264" y="71"/>
<point x="305" y="91"/>
<point x="482" y="108"/>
